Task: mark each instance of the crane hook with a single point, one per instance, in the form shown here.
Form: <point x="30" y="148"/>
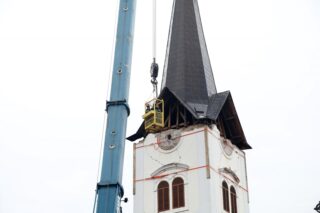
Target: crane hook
<point x="154" y="74"/>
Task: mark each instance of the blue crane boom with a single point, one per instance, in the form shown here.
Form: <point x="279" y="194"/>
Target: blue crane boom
<point x="109" y="188"/>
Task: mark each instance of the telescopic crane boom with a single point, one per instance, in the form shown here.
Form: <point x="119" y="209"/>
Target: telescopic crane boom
<point x="109" y="189"/>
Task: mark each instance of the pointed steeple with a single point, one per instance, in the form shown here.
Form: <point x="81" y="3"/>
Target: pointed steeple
<point x="188" y="88"/>
<point x="187" y="68"/>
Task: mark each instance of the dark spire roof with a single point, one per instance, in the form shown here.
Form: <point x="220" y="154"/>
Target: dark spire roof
<point x="188" y="78"/>
<point x="187" y="68"/>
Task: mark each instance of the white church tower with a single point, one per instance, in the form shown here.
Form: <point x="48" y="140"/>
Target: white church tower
<point x="190" y="158"/>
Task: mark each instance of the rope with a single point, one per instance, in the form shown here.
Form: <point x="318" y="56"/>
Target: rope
<point x="154" y="31"/>
<point x="154" y="65"/>
<point x="155" y="90"/>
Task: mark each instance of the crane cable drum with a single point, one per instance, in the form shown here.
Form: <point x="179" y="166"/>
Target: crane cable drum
<point x="154" y="109"/>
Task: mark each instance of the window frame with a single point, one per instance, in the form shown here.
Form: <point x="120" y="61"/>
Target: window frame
<point x="164" y="192"/>
<point x="178" y="193"/>
<point x="225" y="196"/>
<point x="233" y="196"/>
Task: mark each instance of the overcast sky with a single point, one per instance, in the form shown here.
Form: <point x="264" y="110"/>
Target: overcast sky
<point x="55" y="60"/>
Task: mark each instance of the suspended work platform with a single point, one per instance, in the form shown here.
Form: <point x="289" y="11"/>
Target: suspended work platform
<point x="154" y="115"/>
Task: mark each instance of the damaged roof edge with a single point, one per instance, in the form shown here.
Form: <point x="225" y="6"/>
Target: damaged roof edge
<point x="218" y="103"/>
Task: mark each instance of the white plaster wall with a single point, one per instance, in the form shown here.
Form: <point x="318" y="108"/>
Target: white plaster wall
<point x="236" y="162"/>
<point x="201" y="194"/>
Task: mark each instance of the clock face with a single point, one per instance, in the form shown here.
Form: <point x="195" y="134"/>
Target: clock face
<point x="227" y="147"/>
<point x="169" y="139"/>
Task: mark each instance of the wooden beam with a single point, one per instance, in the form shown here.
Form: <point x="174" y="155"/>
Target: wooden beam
<point x="177" y="115"/>
<point x="166" y="121"/>
<point x="169" y="122"/>
<point x="229" y="118"/>
<point x="185" y="115"/>
<point x="182" y="116"/>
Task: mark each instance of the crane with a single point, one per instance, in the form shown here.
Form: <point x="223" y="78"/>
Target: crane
<point x="109" y="190"/>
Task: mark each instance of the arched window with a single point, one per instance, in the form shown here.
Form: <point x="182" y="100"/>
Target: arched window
<point x="233" y="195"/>
<point x="178" y="192"/>
<point x="163" y="196"/>
<point x="225" y="195"/>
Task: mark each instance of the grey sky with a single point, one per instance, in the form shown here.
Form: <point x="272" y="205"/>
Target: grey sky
<point x="55" y="59"/>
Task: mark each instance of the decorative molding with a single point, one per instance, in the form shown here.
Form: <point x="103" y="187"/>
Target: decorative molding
<point x="230" y="172"/>
<point x="170" y="166"/>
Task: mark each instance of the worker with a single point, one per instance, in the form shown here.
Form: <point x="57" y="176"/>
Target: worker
<point x="148" y="108"/>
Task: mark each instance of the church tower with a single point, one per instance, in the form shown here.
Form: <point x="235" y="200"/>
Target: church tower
<point x="193" y="160"/>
